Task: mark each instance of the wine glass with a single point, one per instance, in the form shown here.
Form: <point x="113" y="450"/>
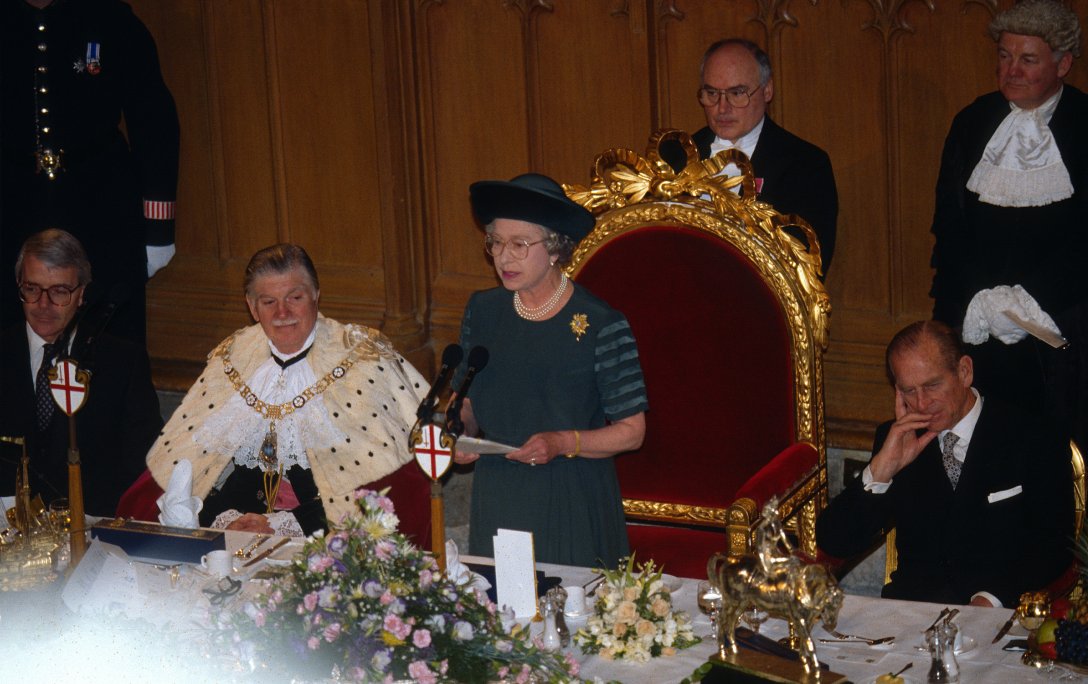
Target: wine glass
<point x="754" y="617"/>
<point x="710" y="603"/>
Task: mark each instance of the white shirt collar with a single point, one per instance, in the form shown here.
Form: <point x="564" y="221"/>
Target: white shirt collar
<point x="305" y="345"/>
<point x="35" y="344"/>
<point x="746" y="143"/>
<point x="964" y="429"/>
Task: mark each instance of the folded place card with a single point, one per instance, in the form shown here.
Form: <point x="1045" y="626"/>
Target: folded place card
<point x="104" y="582"/>
<point x="515" y="572"/>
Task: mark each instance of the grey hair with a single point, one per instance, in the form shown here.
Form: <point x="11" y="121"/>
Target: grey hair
<point x="950" y="348"/>
<point x="762" y="60"/>
<point x="1050" y="20"/>
<point x="557" y="245"/>
<point x="55" y="248"/>
<point x="278" y="259"/>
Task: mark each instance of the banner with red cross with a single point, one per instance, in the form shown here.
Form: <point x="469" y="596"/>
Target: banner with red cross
<point x="68" y="385"/>
<point x="433" y="449"/>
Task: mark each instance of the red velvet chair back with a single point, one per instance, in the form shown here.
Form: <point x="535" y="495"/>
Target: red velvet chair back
<point x="715" y="352"/>
<point x="731" y="321"/>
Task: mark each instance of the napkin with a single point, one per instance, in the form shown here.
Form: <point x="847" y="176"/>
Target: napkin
<point x="459" y="572"/>
<point x="985" y="315"/>
<point x="177" y="505"/>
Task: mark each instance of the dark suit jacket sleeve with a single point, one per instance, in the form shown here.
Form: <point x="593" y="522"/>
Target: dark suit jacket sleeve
<point x="798" y="179"/>
<point x="854" y="520"/>
<point x="143" y="419"/>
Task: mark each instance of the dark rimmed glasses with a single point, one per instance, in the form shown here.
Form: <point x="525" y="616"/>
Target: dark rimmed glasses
<point x="59" y="295"/>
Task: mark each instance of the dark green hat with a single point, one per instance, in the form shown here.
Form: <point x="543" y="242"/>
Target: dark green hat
<point x="534" y="198"/>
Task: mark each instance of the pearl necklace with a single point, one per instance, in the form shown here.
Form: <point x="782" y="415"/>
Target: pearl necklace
<point x="545" y="308"/>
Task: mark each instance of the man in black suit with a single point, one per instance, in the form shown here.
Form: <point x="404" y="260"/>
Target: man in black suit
<point x="980" y="494"/>
<point x="120" y="417"/>
<point x="792" y="175"/>
<point x="1011" y="211"/>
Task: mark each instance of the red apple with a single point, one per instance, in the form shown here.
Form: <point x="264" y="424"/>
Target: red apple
<point x="1048" y="650"/>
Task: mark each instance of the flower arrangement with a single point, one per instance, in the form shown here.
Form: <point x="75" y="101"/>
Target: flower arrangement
<point x="633" y="617"/>
<point x="364" y="604"/>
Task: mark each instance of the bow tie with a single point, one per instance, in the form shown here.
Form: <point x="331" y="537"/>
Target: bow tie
<point x="284" y="363"/>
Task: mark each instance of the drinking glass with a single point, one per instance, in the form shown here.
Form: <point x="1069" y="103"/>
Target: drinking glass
<point x="710" y="603"/>
<point x="754" y="617"/>
<point x="60" y="515"/>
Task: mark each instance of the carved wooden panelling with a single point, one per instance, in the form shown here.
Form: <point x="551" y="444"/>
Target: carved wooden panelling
<point x="355" y="127"/>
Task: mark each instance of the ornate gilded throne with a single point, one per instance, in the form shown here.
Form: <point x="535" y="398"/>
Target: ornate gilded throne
<point x="724" y="297"/>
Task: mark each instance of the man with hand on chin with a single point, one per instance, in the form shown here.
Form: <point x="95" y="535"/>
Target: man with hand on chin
<point x="980" y="493"/>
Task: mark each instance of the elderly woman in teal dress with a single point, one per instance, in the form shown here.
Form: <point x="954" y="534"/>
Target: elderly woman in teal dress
<point x="563" y="383"/>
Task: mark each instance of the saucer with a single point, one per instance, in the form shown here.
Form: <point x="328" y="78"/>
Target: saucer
<point x="906" y="679"/>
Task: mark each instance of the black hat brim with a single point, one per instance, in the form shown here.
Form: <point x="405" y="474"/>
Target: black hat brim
<point x="505" y="199"/>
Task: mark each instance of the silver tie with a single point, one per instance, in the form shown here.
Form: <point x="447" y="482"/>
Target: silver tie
<point x="951" y="465"/>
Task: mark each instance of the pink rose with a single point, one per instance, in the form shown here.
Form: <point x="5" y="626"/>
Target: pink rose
<point x="310" y="601"/>
<point x="332" y="631"/>
<point x="313" y="643"/>
<point x="419" y="672"/>
<point x="421" y="638"/>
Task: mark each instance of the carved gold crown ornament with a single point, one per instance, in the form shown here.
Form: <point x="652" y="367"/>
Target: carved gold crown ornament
<point x="629" y="191"/>
<point x="623" y="178"/>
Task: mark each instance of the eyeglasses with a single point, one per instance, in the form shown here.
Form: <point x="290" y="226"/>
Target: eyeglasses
<point x="738" y="97"/>
<point x="59" y="295"/>
<point x="519" y="249"/>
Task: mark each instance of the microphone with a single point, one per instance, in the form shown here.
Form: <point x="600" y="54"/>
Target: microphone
<point x="451" y="358"/>
<point x="477" y="360"/>
<point x="83" y="351"/>
<point x="92" y="295"/>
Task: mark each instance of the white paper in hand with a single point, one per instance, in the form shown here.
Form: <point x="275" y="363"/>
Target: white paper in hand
<point x="515" y="572"/>
<point x="177" y="505"/>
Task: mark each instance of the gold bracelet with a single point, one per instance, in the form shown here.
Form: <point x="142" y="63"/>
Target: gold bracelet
<point x="577" y="445"/>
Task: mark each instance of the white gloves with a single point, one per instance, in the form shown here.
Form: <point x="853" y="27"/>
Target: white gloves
<point x="157" y="257"/>
<point x="986" y="315"/>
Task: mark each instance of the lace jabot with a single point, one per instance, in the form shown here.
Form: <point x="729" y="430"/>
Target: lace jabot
<point x="1022" y="165"/>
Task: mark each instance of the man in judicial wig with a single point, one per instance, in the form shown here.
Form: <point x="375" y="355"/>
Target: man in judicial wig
<point x="1010" y="217"/>
<point x="291" y="414"/>
<point x="980" y="493"/>
<point x="120" y="417"/>
<point x="792" y="175"/>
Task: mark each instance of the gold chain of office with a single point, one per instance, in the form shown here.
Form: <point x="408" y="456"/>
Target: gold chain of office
<point x="277" y="411"/>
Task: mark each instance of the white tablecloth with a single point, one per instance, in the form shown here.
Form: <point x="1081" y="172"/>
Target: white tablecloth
<point x="179" y="610"/>
<point x="870" y="617"/>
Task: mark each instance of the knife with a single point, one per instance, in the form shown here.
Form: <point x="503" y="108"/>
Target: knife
<point x="1005" y="628"/>
<point x="267" y="552"/>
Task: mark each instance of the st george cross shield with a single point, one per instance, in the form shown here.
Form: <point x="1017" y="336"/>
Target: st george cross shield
<point x="69" y="386"/>
<point x="433" y="449"/>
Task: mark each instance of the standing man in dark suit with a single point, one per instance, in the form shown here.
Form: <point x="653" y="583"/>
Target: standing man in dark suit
<point x="89" y="143"/>
<point x="1011" y="218"/>
<point x="980" y="494"/>
<point x="120" y="417"/>
<point x="792" y="175"/>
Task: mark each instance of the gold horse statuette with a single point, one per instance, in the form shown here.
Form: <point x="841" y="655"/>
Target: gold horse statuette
<point x="772" y="579"/>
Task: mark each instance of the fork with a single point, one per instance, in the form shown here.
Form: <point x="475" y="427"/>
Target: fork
<point x="840" y="637"/>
